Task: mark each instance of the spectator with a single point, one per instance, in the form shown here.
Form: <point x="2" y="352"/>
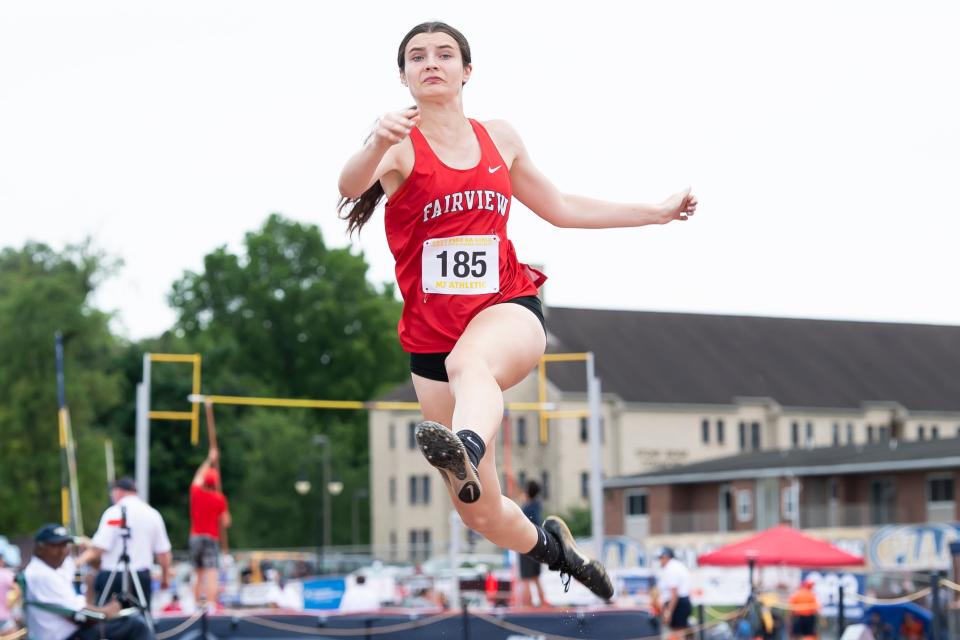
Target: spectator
<point x="359" y="597"/>
<point x="673" y="584"/>
<point x="530" y="568"/>
<point x="8" y="587"/>
<point x="803" y="612"/>
<point x="881" y="630"/>
<point x="911" y="628"/>
<point x="147" y="539"/>
<point x="48" y="587"/>
<point x="209" y="517"/>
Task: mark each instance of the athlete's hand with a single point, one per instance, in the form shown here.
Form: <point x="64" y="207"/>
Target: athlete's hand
<point x="395" y="126"/>
<point x="679" y="206"/>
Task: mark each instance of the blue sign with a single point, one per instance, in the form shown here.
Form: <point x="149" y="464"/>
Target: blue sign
<point x="826" y="586"/>
<point x="323" y="594"/>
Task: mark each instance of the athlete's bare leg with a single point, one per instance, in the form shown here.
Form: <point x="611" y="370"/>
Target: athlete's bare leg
<point x="499" y="348"/>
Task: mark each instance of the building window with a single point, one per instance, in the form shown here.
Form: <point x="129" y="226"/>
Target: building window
<point x="744" y="505"/>
<point x="940" y="489"/>
<point x="521" y="431"/>
<point x="393" y="436"/>
<point x="419" y="489"/>
<point x="789" y="501"/>
<point x="584" y="485"/>
<point x="411" y="435"/>
<point x="934" y="432"/>
<point x="584" y="429"/>
<point x="836" y="434"/>
<point x="743" y="435"/>
<point x="755" y="436"/>
<point x="849" y="433"/>
<point x="869" y="433"/>
<point x="720" y="434"/>
<point x="419" y="544"/>
<point x="393" y="490"/>
<point x="921" y="433"/>
<point x="940" y="505"/>
<point x="795" y="434"/>
<point x="637" y="504"/>
<point x="705" y="431"/>
<point x="882" y="502"/>
<point x="808" y="438"/>
<point x="545" y="485"/>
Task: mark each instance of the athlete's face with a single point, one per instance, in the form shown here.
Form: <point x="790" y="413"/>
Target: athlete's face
<point x="433" y="66"/>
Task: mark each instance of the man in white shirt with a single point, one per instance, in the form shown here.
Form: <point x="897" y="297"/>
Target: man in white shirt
<point x="53" y="607"/>
<point x="673" y="582"/>
<point x="147" y="538"/>
<point x="359" y="597"/>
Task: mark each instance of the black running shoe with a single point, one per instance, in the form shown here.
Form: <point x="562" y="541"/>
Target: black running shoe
<point x="444" y="450"/>
<point x="572" y="562"/>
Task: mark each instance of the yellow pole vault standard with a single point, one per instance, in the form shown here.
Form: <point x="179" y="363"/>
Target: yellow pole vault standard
<point x="64" y="487"/>
<point x="296" y="403"/>
<point x="542" y="391"/>
<point x="192" y="416"/>
<point x="546" y="410"/>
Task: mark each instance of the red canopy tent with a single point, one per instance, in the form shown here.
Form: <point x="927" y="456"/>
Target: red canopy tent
<point x="780" y="545"/>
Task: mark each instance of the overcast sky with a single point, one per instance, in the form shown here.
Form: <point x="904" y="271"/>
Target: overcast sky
<point x="821" y="138"/>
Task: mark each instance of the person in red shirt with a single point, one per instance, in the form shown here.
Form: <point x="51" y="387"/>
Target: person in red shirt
<point x="471" y="319"/>
<point x="209" y="519"/>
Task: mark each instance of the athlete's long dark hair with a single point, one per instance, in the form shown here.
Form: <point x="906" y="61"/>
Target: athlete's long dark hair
<point x="357" y="211"/>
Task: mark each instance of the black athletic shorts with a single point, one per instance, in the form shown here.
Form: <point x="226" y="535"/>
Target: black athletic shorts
<point x="431" y="365"/>
<point x="681" y="614"/>
<point x="529" y="568"/>
<point x="804" y="626"/>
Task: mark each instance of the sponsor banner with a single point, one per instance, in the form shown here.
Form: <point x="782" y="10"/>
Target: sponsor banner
<point x="914" y="547"/>
<point x="323" y="594"/>
<point x="826" y="586"/>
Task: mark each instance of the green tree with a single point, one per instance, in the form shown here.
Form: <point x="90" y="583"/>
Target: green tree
<point x="286" y="317"/>
<point x="43" y="291"/>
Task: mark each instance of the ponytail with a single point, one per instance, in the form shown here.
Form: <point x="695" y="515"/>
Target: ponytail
<point x="357" y="211"/>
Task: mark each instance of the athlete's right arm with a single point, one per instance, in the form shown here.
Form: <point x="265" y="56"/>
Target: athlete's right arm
<point x="372" y="161"/>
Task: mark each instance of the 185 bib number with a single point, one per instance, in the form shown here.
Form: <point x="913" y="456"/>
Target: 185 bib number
<point x="462" y="265"/>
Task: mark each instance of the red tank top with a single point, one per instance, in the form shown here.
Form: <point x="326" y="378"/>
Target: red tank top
<point x="447" y="229"/>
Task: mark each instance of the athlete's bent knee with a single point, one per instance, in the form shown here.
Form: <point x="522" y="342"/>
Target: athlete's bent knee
<point x="479" y="519"/>
<point x="460" y="362"/>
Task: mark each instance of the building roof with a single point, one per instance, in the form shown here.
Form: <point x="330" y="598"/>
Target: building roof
<point x="884" y="457"/>
<point x="686" y="358"/>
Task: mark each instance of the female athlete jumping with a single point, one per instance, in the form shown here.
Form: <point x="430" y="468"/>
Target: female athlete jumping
<point x="471" y="320"/>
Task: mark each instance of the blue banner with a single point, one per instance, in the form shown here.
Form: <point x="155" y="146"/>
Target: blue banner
<point x="826" y="586"/>
<point x="323" y="594"/>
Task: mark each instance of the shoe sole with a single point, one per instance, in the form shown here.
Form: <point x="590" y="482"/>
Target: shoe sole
<point x="444" y="451"/>
<point x="559" y="528"/>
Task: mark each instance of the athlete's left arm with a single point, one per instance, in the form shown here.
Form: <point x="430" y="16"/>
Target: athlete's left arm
<point x="535" y="190"/>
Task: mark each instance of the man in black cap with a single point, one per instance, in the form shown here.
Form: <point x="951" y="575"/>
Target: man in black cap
<point x="55" y="611"/>
<point x="147" y="539"/>
<point x="673" y="584"/>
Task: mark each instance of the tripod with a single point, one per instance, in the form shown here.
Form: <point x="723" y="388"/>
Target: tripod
<point x="134" y="597"/>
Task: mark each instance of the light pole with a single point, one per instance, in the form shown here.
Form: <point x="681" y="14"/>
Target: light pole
<point x="360" y="492"/>
<point x="331" y="486"/>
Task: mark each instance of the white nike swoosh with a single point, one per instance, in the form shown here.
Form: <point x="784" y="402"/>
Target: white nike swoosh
<point x="494" y="169"/>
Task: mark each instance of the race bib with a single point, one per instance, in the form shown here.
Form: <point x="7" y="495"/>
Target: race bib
<point x="461" y="266"/>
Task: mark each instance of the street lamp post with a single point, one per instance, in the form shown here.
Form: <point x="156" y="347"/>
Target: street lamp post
<point x="358" y="493"/>
<point x="331" y="486"/>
